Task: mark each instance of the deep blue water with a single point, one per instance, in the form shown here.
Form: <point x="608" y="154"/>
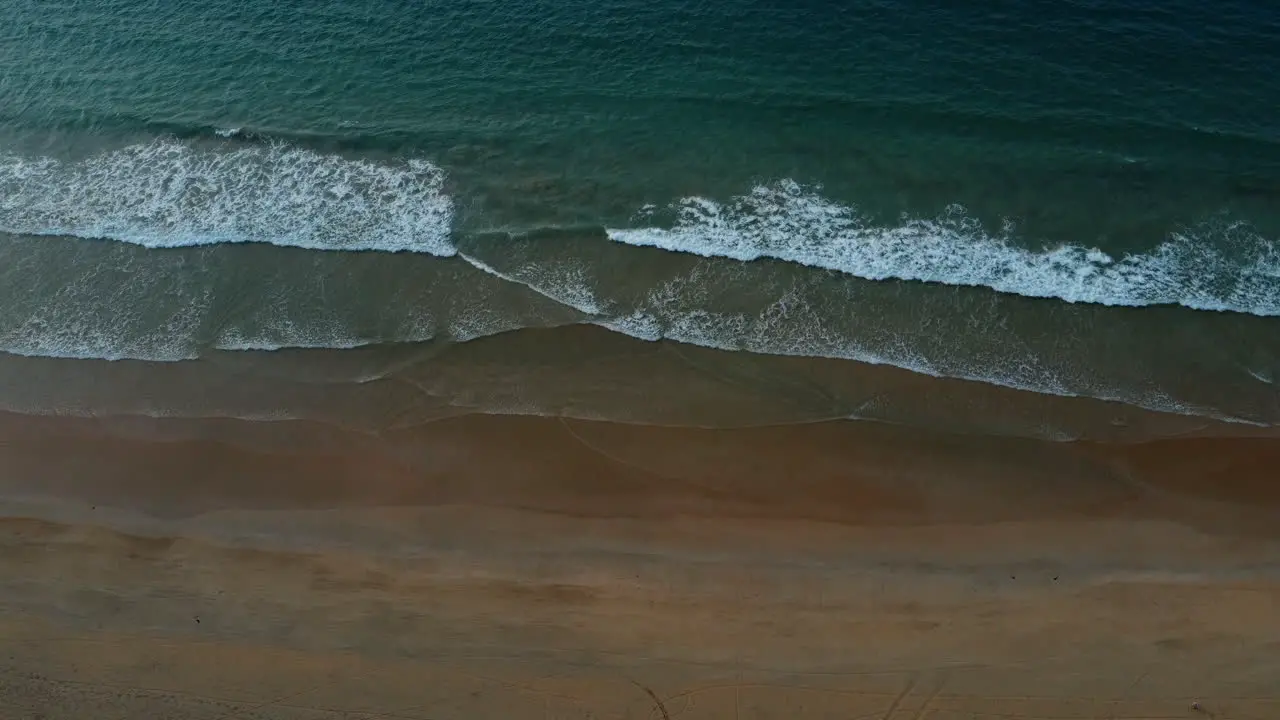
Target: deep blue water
<point x="1077" y="198"/>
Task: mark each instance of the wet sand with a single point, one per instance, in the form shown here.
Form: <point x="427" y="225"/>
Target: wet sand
<point x="511" y="567"/>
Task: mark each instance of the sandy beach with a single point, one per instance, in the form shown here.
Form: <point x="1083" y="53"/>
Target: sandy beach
<point x="639" y="360"/>
<point x="836" y="570"/>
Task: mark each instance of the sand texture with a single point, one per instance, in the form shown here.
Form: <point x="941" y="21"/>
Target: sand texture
<point x="589" y="570"/>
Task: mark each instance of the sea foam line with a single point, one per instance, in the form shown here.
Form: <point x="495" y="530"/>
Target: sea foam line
<point x="1227" y="267"/>
<point x="166" y="194"/>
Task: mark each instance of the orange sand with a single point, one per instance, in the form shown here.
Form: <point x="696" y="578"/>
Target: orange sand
<point x="487" y="567"/>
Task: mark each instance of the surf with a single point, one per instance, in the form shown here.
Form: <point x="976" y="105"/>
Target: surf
<point x="1217" y="266"/>
<point x="169" y="194"/>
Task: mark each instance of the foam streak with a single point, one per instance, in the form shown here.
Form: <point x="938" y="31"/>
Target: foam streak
<point x="167" y="194"/>
<point x="788" y="222"/>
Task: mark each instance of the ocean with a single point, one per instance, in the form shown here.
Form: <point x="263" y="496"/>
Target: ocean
<point x="1045" y="219"/>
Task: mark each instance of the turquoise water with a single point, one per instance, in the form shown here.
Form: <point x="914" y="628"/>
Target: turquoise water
<point x="1073" y="198"/>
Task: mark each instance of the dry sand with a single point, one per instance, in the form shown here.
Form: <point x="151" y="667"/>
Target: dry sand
<point x="488" y="567"/>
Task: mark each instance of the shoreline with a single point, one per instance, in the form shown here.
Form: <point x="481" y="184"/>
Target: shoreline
<point x="586" y="372"/>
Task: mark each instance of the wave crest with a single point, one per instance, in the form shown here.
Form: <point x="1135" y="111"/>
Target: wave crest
<point x="1228" y="267"/>
<point x="166" y="194"/>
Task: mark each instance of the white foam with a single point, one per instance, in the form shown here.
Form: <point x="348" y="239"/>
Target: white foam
<point x="1262" y="376"/>
<point x="792" y="326"/>
<point x="1213" y="267"/>
<point x="288" y="336"/>
<point x="82" y="324"/>
<point x="564" y="283"/>
<point x="166" y="194"/>
<point x="788" y="326"/>
<point x="738" y="332"/>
